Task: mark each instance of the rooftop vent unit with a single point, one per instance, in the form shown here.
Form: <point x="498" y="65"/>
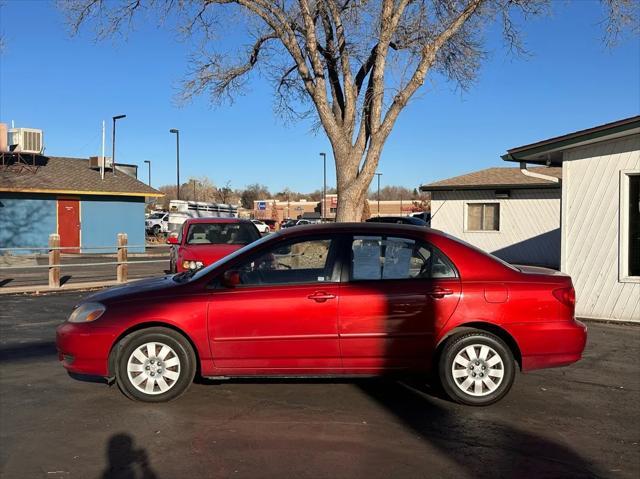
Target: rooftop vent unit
<point x="95" y="162"/>
<point x="25" y="140"/>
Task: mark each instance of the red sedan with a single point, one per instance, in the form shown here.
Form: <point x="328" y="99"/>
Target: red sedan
<point x="333" y="299"/>
<point x="202" y="241"/>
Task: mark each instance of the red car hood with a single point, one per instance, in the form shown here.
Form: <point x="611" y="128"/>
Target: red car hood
<point x="206" y="253"/>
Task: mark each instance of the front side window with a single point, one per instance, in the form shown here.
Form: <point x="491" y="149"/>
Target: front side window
<point x="483" y="216"/>
<point x="221" y="233"/>
<point x="298" y="262"/>
<point x="381" y="258"/>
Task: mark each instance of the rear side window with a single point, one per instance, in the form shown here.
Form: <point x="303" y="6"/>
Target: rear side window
<point x="383" y="258"/>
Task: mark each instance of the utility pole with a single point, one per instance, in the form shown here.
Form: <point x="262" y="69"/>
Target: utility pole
<point x="378" y="175"/>
<point x="148" y="162"/>
<point x="113" y="141"/>
<point x="324" y="186"/>
<point x="177" y="133"/>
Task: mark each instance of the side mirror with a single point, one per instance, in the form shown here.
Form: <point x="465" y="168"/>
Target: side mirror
<point x="172" y="239"/>
<point x="231" y="278"/>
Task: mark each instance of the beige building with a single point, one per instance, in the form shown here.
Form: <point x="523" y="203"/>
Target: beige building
<point x="600" y="214"/>
<point x="503" y="211"/>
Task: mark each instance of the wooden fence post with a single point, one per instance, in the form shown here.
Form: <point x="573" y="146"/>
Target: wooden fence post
<point x="54" y="261"/>
<point x="122" y="269"/>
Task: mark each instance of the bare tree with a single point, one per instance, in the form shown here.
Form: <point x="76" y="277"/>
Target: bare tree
<point x="351" y="64"/>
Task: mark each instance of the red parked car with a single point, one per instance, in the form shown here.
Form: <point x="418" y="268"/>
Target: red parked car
<point x="202" y="241"/>
<point x="331" y="299"/>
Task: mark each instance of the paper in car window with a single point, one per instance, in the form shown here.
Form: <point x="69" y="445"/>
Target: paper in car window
<point x="366" y="257"/>
<point x="397" y="258"/>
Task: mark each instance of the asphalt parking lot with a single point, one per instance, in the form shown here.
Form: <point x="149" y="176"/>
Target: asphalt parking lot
<point x="581" y="421"/>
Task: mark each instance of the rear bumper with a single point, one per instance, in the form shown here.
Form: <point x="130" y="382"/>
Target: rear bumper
<point x="84" y="348"/>
<point x="549" y="344"/>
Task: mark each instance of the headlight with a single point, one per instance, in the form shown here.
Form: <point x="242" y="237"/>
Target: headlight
<point x="87" y="312"/>
<point x="190" y="264"/>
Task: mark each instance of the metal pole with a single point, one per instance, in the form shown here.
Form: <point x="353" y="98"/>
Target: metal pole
<point x="177" y="132"/>
<point x="178" y="162"/>
<point x="148" y="162"/>
<point x="378" y="175"/>
<point x="113" y="142"/>
<point x="324" y="186"/>
<point x="113" y="147"/>
<point x="195" y="198"/>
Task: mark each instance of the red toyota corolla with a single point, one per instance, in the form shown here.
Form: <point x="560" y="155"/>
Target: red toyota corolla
<point x="202" y="241"/>
<point x="339" y="299"/>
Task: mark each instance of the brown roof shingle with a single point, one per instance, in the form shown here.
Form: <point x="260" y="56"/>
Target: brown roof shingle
<point x="492" y="178"/>
<point x="71" y="176"/>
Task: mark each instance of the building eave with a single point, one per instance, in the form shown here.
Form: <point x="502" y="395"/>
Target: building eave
<point x="549" y="151"/>
<point x="490" y="187"/>
<point x="79" y="192"/>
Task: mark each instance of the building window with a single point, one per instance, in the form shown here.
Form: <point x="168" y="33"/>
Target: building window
<point x="483" y="216"/>
<point x="333" y="210"/>
<point x="630" y="226"/>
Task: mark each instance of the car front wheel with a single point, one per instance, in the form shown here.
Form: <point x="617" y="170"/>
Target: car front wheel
<point x="155" y="365"/>
<point x="476" y="368"/>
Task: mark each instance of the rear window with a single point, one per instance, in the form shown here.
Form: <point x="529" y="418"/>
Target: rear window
<point x="222" y="233"/>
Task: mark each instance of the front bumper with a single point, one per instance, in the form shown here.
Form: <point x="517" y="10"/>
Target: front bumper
<point x="549" y="344"/>
<point x="84" y="348"/>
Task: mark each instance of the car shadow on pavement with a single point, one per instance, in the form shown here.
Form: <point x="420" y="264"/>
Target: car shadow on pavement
<point x="20" y="352"/>
<point x="473" y="439"/>
<point x="125" y="461"/>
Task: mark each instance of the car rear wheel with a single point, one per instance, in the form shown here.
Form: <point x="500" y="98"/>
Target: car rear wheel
<point x="155" y="365"/>
<point x="476" y="368"/>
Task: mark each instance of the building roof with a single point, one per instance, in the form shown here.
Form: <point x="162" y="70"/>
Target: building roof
<point x="550" y="150"/>
<point x="69" y="176"/>
<point x="496" y="178"/>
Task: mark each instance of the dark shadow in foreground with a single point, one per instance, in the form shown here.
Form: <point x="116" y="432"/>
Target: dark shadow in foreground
<point x="478" y="444"/>
<point x="36" y="349"/>
<point x="125" y="461"/>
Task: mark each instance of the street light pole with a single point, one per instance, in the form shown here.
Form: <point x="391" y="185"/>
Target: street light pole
<point x="113" y="142"/>
<point x="177" y="132"/>
<point x="195" y="198"/>
<point x="378" y="175"/>
<point x="148" y="162"/>
<point x="324" y="186"/>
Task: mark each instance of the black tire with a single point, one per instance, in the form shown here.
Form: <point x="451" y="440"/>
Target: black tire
<point x="179" y="347"/>
<point x="460" y="389"/>
<point x="156" y="230"/>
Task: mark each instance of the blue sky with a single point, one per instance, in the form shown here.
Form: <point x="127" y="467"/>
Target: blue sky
<point x="67" y="86"/>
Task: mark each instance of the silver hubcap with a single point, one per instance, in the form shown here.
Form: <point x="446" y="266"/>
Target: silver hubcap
<point x="153" y="368"/>
<point x="478" y="370"/>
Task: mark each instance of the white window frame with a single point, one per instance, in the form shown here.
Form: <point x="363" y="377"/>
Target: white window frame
<point x="482" y="202"/>
<point x="623" y="237"/>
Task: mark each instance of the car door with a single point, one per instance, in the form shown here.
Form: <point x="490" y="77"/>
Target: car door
<point x="398" y="292"/>
<point x="282" y="317"/>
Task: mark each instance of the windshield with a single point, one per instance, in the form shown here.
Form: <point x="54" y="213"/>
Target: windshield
<point x="156" y="216"/>
<point x="221" y="233"/>
<point x="205" y="271"/>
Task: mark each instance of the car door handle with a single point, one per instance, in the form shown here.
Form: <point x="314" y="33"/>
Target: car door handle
<point x="321" y="296"/>
<point x="439" y="292"/>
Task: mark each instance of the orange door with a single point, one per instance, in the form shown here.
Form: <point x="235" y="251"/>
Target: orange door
<point x="69" y="225"/>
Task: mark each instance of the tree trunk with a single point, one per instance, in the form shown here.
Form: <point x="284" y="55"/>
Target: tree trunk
<point x="352" y="186"/>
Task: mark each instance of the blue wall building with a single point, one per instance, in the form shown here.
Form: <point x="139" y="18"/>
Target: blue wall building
<point x="44" y="195"/>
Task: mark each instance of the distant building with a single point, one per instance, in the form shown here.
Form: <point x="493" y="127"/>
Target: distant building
<point x="600" y="217"/>
<point x="41" y="195"/>
<point x="503" y="211"/>
<point x="263" y="209"/>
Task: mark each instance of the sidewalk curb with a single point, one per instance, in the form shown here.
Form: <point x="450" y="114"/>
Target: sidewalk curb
<point x="41" y="289"/>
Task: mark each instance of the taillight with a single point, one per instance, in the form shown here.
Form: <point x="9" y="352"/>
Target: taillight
<point x="566" y="296"/>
